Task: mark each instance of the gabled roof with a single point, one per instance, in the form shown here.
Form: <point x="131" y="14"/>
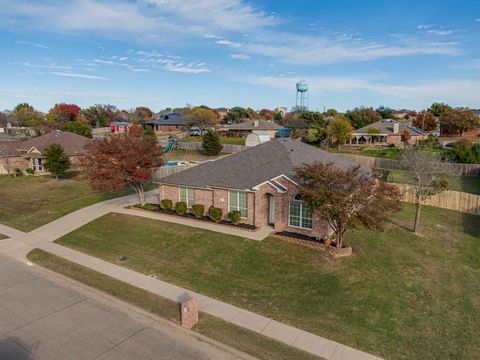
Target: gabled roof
<point x="386" y="127"/>
<point x="256" y="165"/>
<point x="71" y="143"/>
<point x="250" y="125"/>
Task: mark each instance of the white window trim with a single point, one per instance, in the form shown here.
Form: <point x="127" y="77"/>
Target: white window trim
<point x="180" y="196"/>
<point x="238" y="202"/>
<point x="302" y="203"/>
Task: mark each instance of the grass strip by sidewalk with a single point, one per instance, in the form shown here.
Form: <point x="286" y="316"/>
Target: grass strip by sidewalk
<point x="2" y="237"/>
<point x="210" y="326"/>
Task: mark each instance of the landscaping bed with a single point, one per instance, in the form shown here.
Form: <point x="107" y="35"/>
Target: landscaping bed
<point x="157" y="208"/>
<point x="313" y="243"/>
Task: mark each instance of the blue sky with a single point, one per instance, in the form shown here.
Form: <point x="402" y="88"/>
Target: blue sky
<point x="159" y="53"/>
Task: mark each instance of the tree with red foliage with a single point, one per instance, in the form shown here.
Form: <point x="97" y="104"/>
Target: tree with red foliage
<point x="347" y="198"/>
<point x="266" y="114"/>
<point x="65" y="112"/>
<point x="116" y="162"/>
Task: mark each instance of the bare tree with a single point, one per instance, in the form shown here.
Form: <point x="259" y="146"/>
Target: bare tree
<point x="428" y="173"/>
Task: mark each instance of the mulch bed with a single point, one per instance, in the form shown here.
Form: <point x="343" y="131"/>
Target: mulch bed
<point x="157" y="208"/>
<point x="313" y="243"/>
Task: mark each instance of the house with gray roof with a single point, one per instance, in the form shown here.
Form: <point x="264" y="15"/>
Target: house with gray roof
<point x="387" y="132"/>
<point x="247" y="127"/>
<point x="19" y="155"/>
<point x="259" y="182"/>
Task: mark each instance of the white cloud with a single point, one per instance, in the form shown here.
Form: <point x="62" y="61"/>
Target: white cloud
<point x="47" y="66"/>
<point x="224" y="21"/>
<point x="461" y="92"/>
<point x="240" y="56"/>
<point x="21" y="42"/>
<point x="228" y="43"/>
<point x="477" y="20"/>
<point x="78" y="75"/>
<point x="185" y="69"/>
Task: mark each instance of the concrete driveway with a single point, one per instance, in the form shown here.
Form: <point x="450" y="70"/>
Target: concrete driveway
<point x="47" y="318"/>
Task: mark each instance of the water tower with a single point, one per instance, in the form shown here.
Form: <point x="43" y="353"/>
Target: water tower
<point x="302" y="95"/>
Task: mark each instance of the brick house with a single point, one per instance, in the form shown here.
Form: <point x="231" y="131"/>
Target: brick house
<point x="259" y="182"/>
<point x="247" y="127"/>
<point x="21" y="155"/>
<point x="387" y="132"/>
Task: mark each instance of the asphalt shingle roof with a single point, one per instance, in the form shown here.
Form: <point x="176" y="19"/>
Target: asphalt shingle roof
<point x="71" y="143"/>
<point x="250" y="125"/>
<point x="386" y="127"/>
<point x="255" y="165"/>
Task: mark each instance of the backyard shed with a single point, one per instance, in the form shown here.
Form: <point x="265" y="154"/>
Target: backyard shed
<point x="256" y="138"/>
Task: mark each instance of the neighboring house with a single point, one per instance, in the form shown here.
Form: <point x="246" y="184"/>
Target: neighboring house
<point x="259" y="182"/>
<point x="21" y="155"/>
<point x="387" y="132"/>
<point x="244" y="128"/>
<point x="119" y="126"/>
<point x="168" y="122"/>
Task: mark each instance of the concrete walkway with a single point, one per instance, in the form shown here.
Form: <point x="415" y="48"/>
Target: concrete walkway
<point x="258" y="235"/>
<point x="21" y="243"/>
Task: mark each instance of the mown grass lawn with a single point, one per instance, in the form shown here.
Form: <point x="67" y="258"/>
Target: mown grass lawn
<point x="399" y="296"/>
<point x="189" y="156"/>
<point x="223" y="140"/>
<point x="468" y="184"/>
<point x="28" y="202"/>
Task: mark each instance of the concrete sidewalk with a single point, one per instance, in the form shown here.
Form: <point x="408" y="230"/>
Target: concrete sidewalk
<point x="289" y="335"/>
<point x="21" y="243"/>
<point x="258" y="235"/>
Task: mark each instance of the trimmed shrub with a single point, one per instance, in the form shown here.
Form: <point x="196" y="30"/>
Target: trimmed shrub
<point x="30" y="171"/>
<point x="166" y="204"/>
<point x="181" y="207"/>
<point x="198" y="210"/>
<point x="215" y="214"/>
<point x="234" y="216"/>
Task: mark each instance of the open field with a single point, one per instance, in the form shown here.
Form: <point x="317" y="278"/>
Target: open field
<point x="31" y="201"/>
<point x="468" y="184"/>
<point x="223" y="140"/>
<point x="188" y="156"/>
<point x="227" y="333"/>
<point x="398" y="296"/>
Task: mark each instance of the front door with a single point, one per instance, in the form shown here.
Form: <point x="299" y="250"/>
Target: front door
<point x="271" y="209"/>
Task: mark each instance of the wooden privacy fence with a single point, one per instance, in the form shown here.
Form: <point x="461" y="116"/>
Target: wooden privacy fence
<point x="375" y="162"/>
<point x="453" y="200"/>
<point x="165" y="171"/>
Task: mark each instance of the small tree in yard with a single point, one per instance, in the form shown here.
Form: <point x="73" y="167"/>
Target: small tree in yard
<point x="211" y="143"/>
<point x="347" y="198"/>
<point x="55" y="160"/>
<point x="120" y="161"/>
<point x="427" y="173"/>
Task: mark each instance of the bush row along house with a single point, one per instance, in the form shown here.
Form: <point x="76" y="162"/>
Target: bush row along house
<point x="259" y="182"/>
<point x="387" y="132"/>
<point x="18" y="156"/>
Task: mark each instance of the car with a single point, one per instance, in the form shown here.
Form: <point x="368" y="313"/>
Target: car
<point x="195" y="131"/>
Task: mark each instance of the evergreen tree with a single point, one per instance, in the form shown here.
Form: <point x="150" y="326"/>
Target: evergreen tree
<point x="55" y="160"/>
<point x="211" y="143"/>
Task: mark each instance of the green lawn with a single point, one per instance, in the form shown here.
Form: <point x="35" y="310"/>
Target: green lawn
<point x="387" y="153"/>
<point x="188" y="156"/>
<point x="399" y="296"/>
<point x="215" y="328"/>
<point x="28" y="202"/>
<point x="468" y="184"/>
<point x="223" y="140"/>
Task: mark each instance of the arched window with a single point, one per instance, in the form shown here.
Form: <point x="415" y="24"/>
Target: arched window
<point x="298" y="197"/>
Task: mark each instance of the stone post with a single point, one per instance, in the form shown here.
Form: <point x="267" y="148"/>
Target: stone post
<point x="189" y="312"/>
